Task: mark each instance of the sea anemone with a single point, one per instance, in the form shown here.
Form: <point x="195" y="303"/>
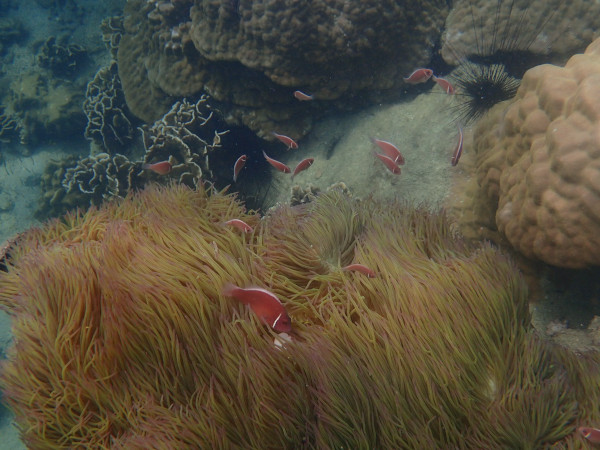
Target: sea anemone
<point x="124" y="339"/>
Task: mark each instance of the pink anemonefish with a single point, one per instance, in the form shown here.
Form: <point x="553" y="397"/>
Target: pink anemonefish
<point x="264" y="304"/>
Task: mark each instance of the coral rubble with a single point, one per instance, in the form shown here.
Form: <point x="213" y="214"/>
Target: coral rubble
<point x="123" y="337"/>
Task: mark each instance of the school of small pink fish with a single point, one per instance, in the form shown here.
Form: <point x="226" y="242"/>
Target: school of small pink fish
<point x="391" y="157"/>
<point x="265" y="304"/>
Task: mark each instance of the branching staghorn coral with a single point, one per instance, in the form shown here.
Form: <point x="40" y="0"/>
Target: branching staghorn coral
<point x="125" y="340"/>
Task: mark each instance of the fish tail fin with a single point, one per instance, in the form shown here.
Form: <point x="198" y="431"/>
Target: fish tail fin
<point x="229" y="289"/>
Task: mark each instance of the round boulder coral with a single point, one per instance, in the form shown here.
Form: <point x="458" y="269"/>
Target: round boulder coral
<point x="252" y="55"/>
<point x="549" y="29"/>
<point x="540" y="160"/>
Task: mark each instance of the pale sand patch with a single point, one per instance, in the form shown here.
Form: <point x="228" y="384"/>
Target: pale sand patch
<point x="423" y="130"/>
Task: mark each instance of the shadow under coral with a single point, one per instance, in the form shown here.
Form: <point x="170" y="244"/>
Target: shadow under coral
<point x="123" y="338"/>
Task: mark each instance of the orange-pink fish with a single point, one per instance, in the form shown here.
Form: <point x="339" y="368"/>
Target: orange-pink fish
<point x="389" y="163"/>
<point x="264" y="304"/>
<point x="444" y="84"/>
<point x="458" y="149"/>
<point x="303" y="165"/>
<point x="161" y="168"/>
<point x="286" y="140"/>
<point x="277" y="164"/>
<point x="238" y="166"/>
<point x="302" y="96"/>
<point x="419" y="76"/>
<point x="390" y="150"/>
<point x="240" y="225"/>
<point x="360" y="268"/>
<point x="591" y="434"/>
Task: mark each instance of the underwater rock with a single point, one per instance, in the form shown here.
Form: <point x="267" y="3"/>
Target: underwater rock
<point x="538" y="163"/>
<point x="251" y="56"/>
<point x="11" y="32"/>
<point x="129" y="341"/>
<point x="44" y="108"/>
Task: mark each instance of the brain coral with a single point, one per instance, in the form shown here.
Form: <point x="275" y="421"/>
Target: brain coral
<point x="252" y="55"/>
<point x="540" y="160"/>
<point x="123" y="338"/>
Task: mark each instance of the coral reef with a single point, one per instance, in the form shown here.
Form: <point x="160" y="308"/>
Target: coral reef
<point x="112" y="31"/>
<point x="109" y="125"/>
<point x="538" y="163"/>
<point x="54" y="201"/>
<point x="61" y="60"/>
<point x="100" y="177"/>
<point x="43" y="108"/>
<point x="124" y="338"/>
<point x="185" y="136"/>
<point x="553" y="29"/>
<point x="251" y="56"/>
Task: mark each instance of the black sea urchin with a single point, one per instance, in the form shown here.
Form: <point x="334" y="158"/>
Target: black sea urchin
<point x="481" y="86"/>
<point x="492" y="73"/>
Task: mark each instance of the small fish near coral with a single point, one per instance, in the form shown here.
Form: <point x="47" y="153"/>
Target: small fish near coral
<point x="591" y="434"/>
<point x="390" y="150"/>
<point x="238" y="166"/>
<point x="419" y="76"/>
<point x="161" y="168"/>
<point x="291" y="144"/>
<point x="303" y="165"/>
<point x="361" y="268"/>
<point x="264" y="304"/>
<point x="444" y="84"/>
<point x="389" y="163"/>
<point x="458" y="149"/>
<point x="277" y="164"/>
<point x="240" y="225"/>
<point x="303" y="97"/>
